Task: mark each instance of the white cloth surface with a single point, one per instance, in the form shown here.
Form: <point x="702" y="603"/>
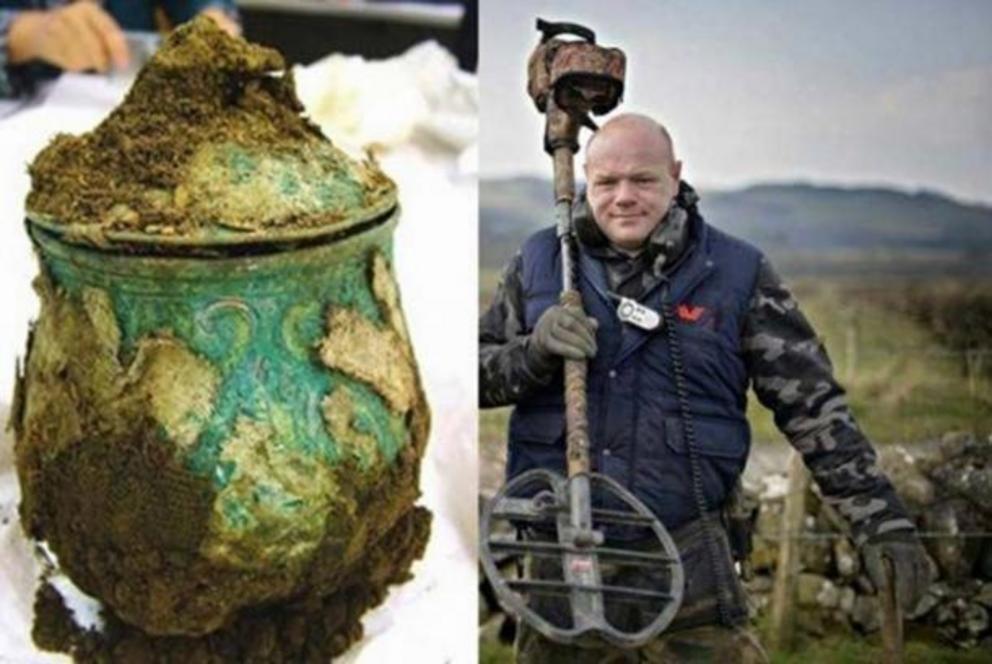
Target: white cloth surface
<point x="420" y="94"/>
<point x="433" y="617"/>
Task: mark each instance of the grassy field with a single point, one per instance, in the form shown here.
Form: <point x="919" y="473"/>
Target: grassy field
<point x="904" y="384"/>
<point x="828" y="650"/>
<point x="845" y="650"/>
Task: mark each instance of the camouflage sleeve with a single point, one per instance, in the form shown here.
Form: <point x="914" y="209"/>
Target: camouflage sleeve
<point x="506" y="372"/>
<point x="793" y="377"/>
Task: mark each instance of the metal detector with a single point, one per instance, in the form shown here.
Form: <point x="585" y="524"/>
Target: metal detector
<point x="557" y="526"/>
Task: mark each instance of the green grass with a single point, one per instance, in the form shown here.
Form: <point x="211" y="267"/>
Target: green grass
<point x="838" y="649"/>
<point x="488" y="281"/>
<point x="492" y="447"/>
<point x="831" y="649"/>
<point x="492" y="651"/>
<point x="492" y="424"/>
<point x="902" y="385"/>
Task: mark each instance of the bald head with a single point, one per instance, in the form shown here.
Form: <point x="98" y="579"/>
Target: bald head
<point x="642" y="128"/>
<point x="632" y="177"/>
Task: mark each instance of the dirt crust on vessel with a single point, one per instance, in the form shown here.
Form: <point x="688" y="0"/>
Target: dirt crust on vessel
<point x="210" y="135"/>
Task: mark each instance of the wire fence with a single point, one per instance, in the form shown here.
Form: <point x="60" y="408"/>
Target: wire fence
<point x="927" y="351"/>
<point x="973" y="360"/>
<point x="927" y="534"/>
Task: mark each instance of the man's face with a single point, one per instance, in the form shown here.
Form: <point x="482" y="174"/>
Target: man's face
<point x="632" y="179"/>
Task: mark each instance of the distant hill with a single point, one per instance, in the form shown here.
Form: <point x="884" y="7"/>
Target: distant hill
<point x="803" y="227"/>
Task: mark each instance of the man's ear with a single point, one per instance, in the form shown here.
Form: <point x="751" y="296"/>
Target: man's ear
<point x="676" y="170"/>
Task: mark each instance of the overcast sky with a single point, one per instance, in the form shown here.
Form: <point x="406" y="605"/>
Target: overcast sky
<point x="894" y="92"/>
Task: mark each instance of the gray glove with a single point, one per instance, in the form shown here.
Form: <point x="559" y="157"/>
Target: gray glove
<point x="562" y="331"/>
<point x="909" y="563"/>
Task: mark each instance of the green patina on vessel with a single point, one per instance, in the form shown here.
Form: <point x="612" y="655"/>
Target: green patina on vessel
<point x="220" y="406"/>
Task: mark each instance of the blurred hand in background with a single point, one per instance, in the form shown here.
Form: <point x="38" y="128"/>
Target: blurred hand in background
<point x="84" y="36"/>
<point x="76" y="37"/>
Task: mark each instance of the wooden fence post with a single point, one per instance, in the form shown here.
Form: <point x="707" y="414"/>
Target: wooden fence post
<point x="783" y="624"/>
<point x="851" y="350"/>
<point x="973" y="364"/>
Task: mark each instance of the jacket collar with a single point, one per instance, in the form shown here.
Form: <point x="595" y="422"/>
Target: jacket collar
<point x="665" y="245"/>
<point x="676" y="283"/>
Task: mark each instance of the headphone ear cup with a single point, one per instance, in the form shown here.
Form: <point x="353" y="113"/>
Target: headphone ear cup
<point x="585" y="225"/>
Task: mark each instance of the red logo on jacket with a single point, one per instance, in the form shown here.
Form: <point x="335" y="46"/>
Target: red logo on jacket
<point x="688" y="313"/>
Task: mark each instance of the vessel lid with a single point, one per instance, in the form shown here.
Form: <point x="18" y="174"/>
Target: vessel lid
<point x="209" y="147"/>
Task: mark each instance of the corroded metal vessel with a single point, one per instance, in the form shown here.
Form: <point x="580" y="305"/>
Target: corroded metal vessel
<point x="218" y="420"/>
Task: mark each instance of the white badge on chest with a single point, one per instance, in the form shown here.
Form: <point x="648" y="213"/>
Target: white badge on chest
<point x="630" y="311"/>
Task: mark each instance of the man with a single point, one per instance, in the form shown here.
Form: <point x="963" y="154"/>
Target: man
<point x="642" y="237"/>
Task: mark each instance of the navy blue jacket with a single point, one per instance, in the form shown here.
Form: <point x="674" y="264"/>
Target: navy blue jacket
<point x="634" y="421"/>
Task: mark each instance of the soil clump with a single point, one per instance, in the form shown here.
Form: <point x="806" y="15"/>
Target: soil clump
<point x="312" y="630"/>
<point x="211" y="134"/>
